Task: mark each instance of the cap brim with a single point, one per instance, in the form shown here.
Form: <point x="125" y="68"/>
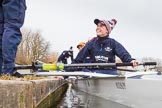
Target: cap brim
<point x="96" y="21"/>
<point x="78" y="46"/>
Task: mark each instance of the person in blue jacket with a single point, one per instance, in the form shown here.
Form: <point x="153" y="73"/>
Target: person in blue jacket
<point x="12" y="13"/>
<point x="103" y="49"/>
<point x="65" y="55"/>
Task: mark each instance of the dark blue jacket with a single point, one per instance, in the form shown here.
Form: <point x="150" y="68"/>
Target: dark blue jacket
<point x="64" y="56"/>
<point x="103" y="50"/>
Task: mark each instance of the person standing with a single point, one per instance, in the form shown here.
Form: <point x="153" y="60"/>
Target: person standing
<point x="104" y="49"/>
<point x="12" y="14"/>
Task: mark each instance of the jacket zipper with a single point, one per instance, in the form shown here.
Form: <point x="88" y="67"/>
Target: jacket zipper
<point x="101" y="47"/>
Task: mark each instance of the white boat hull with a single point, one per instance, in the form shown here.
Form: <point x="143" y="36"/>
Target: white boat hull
<point x="136" y="93"/>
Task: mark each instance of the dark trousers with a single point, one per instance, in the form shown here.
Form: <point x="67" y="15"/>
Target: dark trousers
<point x="12" y="13"/>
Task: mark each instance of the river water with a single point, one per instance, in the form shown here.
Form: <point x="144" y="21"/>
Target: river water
<point x="77" y="99"/>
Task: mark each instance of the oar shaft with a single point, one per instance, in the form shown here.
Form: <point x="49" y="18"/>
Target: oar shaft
<point x="91" y="64"/>
<point x="21" y="67"/>
<point x="61" y="66"/>
<point x="129" y="70"/>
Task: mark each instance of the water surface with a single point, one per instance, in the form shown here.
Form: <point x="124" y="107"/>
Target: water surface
<point x="78" y="99"/>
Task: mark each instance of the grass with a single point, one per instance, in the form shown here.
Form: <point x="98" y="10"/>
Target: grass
<point x="25" y="78"/>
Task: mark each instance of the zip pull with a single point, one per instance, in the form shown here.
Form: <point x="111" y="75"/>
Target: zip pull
<point x="101" y="47"/>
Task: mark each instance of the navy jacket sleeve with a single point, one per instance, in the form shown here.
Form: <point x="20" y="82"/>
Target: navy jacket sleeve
<point x="122" y="53"/>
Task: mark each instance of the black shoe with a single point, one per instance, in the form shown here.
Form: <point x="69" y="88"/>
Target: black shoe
<point x="18" y="75"/>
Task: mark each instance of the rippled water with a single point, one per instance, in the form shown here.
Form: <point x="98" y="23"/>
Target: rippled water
<point x="78" y="99"/>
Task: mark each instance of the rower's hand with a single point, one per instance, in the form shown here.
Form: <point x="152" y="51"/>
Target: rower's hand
<point x="135" y="63"/>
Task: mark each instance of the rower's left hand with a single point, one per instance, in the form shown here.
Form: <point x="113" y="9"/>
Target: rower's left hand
<point x="135" y="63"/>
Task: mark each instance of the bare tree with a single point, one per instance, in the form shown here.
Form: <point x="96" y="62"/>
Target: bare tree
<point x="55" y="56"/>
<point x="32" y="47"/>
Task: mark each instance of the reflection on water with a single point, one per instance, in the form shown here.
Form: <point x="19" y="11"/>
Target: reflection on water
<point x="78" y="99"/>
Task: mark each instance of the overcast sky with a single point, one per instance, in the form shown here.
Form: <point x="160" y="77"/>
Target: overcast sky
<point x="65" y="23"/>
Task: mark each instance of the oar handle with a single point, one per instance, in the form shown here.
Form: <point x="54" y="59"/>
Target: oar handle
<point x="149" y="63"/>
<point x="131" y="64"/>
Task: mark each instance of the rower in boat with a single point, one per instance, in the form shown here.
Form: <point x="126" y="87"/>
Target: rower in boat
<point x="80" y="45"/>
<point x="104" y="49"/>
<point x="65" y="55"/>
